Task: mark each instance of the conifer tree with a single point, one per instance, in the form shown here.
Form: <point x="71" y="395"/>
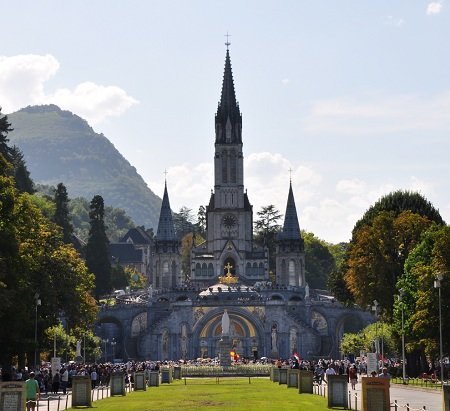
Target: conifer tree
<point x="97" y="248"/>
<point x="61" y="216"/>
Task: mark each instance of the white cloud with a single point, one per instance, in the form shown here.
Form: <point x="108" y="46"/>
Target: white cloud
<point x="354" y="186"/>
<point x="285" y="81"/>
<point x="92" y="101"/>
<point x="434" y="7"/>
<point x="22" y="81"/>
<point x="379" y="113"/>
<point x="330" y="215"/>
<point x="394" y="21"/>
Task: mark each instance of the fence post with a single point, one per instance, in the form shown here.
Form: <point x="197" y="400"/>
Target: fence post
<point x="356" y="400"/>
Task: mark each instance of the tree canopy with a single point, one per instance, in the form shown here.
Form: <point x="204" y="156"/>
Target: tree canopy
<point x="397" y="202"/>
<point x="35" y="263"/>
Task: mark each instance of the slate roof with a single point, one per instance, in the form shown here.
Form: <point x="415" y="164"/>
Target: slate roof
<point x="166" y="230"/>
<point x="125" y="253"/>
<point x="291" y="227"/>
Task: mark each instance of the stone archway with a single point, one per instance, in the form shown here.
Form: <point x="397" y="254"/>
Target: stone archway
<point x="111" y="332"/>
<point x="246" y="333"/>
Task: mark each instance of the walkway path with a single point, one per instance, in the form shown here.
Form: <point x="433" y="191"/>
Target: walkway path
<point x="416" y="397"/>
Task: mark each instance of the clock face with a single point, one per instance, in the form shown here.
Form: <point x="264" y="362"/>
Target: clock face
<point x="229" y="221"/>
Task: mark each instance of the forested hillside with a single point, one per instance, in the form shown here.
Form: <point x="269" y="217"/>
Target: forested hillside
<point x="59" y="146"/>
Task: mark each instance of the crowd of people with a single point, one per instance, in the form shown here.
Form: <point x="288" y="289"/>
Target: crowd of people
<point x="44" y="381"/>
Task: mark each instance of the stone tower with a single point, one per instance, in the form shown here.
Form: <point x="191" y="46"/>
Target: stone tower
<point x="229" y="215"/>
<point x="290" y="253"/>
<point x="166" y="259"/>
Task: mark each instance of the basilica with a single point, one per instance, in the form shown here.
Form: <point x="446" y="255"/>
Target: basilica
<point x="178" y="318"/>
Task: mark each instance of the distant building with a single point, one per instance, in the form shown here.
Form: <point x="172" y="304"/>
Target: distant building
<point x="176" y="319"/>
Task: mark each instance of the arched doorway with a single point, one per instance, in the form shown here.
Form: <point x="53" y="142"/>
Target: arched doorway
<point x="246" y="334"/>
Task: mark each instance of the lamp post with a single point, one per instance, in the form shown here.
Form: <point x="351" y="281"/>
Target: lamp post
<point x="375" y="309"/>
<point x="400" y="299"/>
<point x="38" y="303"/>
<point x="113" y="345"/>
<point x="105" y="341"/>
<point x="437" y="284"/>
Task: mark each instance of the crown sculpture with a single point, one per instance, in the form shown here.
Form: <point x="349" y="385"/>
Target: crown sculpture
<point x="228" y="278"/>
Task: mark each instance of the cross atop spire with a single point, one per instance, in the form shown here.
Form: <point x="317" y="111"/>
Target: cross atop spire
<point x="227" y="42"/>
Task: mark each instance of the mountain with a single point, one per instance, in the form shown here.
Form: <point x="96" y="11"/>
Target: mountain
<point x="59" y="146"/>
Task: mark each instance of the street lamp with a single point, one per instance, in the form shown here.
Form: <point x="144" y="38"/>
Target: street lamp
<point x="105" y="341"/>
<point x="400" y="299"/>
<point x="375" y="309"/>
<point x="38" y="303"/>
<point x="113" y="345"/>
<point x="437" y="284"/>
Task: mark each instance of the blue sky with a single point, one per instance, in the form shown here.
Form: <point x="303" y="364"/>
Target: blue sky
<point x="352" y="96"/>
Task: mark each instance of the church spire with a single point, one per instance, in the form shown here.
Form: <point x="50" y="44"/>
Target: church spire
<point x="166" y="230"/>
<point x="228" y="116"/>
<point x="291" y="228"/>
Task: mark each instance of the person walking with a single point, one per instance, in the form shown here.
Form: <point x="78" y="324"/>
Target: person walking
<point x="353" y="376"/>
<point x="32" y="390"/>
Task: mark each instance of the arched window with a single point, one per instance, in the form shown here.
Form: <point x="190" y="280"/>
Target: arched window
<point x="174" y="274"/>
<point x="165" y="274"/>
<point x="292" y="277"/>
<point x="210" y="270"/>
<point x="233" y="171"/>
<point x="224" y="167"/>
<point x="198" y="270"/>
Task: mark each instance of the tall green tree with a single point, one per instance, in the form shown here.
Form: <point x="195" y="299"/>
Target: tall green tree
<point x="62" y="217"/>
<point x="24" y="183"/>
<point x="97" y="248"/>
<point x="377" y="255"/>
<point x="319" y="261"/>
<point x="5" y="128"/>
<point x="34" y="262"/>
<point x="266" y="229"/>
<point x="419" y="302"/>
<point x="397" y="202"/>
<point x="183" y="222"/>
<point x="201" y="220"/>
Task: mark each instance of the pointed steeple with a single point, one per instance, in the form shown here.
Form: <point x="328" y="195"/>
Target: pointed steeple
<point x="166" y="230"/>
<point x="228" y="116"/>
<point x="291" y="228"/>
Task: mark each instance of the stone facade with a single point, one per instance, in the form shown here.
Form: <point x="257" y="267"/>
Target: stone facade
<point x="229" y="272"/>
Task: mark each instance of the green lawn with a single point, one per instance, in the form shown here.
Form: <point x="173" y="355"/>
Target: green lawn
<point x="204" y="393"/>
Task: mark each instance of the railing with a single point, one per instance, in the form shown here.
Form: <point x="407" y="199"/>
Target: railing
<point x="62" y="400"/>
<point x="419" y="382"/>
<point x="233" y="371"/>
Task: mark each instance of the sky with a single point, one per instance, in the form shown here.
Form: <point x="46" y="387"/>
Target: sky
<point x="349" y="99"/>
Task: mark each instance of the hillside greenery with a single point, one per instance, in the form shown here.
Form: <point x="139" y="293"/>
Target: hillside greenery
<point x="59" y="146"/>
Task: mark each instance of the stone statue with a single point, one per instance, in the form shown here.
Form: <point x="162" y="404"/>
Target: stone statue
<point x="307" y="291"/>
<point x="293" y="340"/>
<point x="165" y="343"/>
<point x="184" y="341"/>
<point x="150" y="292"/>
<point x="78" y="353"/>
<point x="274" y="338"/>
<point x="225" y="323"/>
